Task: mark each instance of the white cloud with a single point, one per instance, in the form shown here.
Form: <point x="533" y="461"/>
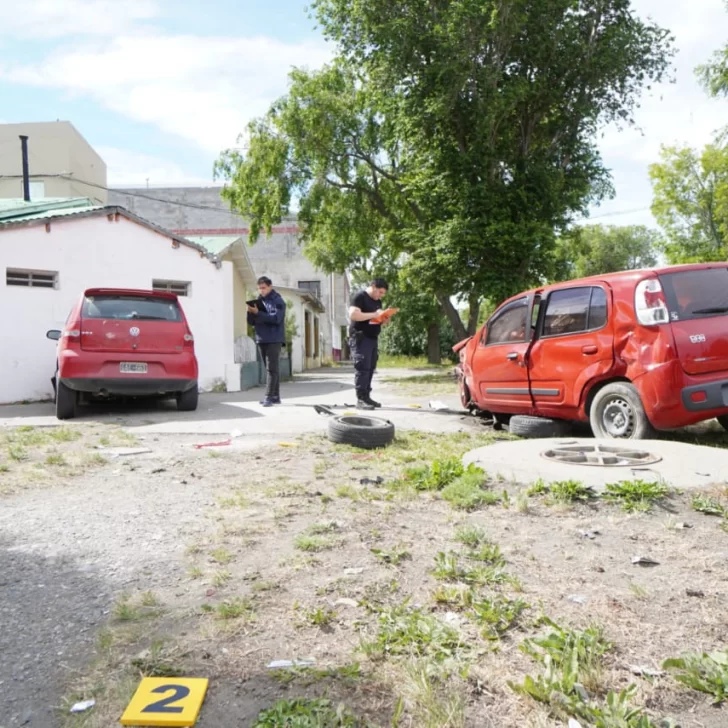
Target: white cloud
<point x="125" y="168"/>
<point x="204" y="89"/>
<point x="59" y="18"/>
<point x="671" y="113"/>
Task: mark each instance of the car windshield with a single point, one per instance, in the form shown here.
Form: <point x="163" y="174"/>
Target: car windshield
<point x="131" y="308"/>
<point x="696" y="294"/>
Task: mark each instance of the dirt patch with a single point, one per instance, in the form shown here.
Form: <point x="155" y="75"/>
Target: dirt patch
<point x="408" y="585"/>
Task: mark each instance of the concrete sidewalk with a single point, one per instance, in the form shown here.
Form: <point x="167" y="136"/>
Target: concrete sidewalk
<point x="221" y="414"/>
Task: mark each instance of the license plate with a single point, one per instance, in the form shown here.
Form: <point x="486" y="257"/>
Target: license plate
<point x="129" y="367"/>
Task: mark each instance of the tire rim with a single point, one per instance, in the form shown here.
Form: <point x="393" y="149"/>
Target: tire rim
<point x="618" y="418"/>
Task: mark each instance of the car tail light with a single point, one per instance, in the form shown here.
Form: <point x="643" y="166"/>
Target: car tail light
<point x="649" y="303"/>
<point x="72" y="334"/>
<point x="189" y="340"/>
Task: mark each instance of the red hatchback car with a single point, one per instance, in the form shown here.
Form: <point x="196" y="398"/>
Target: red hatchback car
<point x="128" y="343"/>
<point x="628" y="352"/>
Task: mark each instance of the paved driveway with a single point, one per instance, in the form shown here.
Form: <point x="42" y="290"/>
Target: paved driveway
<point x="221" y="414"/>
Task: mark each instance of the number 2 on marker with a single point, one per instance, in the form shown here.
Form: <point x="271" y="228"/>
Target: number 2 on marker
<point x="164" y="705"/>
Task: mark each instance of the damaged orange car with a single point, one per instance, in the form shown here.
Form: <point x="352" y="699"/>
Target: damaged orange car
<point x="629" y="353"/>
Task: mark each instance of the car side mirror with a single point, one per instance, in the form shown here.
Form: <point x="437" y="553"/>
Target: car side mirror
<point x="53" y="334"/>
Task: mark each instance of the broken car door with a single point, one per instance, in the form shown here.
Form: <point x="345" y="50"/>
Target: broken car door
<point x="499" y="371"/>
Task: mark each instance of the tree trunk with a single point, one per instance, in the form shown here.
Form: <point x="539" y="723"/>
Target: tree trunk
<point x="433" y="344"/>
<point x="474" y="305"/>
<point x="452" y="316"/>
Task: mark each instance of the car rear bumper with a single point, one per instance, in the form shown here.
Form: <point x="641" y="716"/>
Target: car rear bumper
<point x="669" y="396"/>
<point x="702" y="397"/>
<point x="131" y="387"/>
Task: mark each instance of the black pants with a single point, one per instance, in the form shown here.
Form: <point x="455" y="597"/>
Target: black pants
<point x="271" y="354"/>
<point x="365" y="353"/>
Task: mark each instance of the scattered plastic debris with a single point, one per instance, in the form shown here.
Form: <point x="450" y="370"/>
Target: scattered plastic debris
<point x="369" y="481"/>
<point x="349" y="413"/>
<point x="346" y="602"/>
<point x="287" y="444"/>
<point x="323" y="410"/>
<point x="644" y="561"/>
<point x="590" y="534"/>
<point x="645" y="671"/>
<point x="437" y="405"/>
<point x="573" y="723"/>
<point x="83" y="706"/>
<point x="283" y="664"/>
<point x="354" y="572"/>
<point x="415" y="406"/>
<point x="121" y="452"/>
<point x="577" y="598"/>
<point x="236" y="433"/>
<point x="224" y="443"/>
<point x="695" y="592"/>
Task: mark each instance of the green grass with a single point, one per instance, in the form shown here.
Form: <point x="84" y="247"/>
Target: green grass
<point x="235" y="609"/>
<point x="56" y="459"/>
<point x="570" y="491"/>
<point x="307" y="713"/>
<point x="496" y="615"/>
<point x="469" y="492"/>
<point x="320" y="617"/>
<point x="220" y="578"/>
<point x="709" y="506"/>
<point x="471" y="536"/>
<point x="487" y="553"/>
<point x="706" y="673"/>
<point x="413" y="632"/>
<point x="636" y="495"/>
<point x="393" y="556"/>
<point x="312" y="543"/>
<point x="538" y="487"/>
<point x="395" y="361"/>
<point x="221" y="555"/>
<point x="448" y="568"/>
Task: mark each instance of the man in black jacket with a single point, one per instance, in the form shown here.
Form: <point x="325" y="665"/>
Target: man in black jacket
<point x="365" y="306"/>
<point x="269" y="319"/>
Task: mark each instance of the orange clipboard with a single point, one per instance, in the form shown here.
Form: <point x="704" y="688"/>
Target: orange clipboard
<point x="384" y="316"/>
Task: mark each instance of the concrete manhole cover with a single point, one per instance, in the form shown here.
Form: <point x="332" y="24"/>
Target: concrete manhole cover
<point x="602" y="456"/>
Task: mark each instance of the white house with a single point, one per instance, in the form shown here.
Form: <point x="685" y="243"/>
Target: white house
<point x="51" y="251"/>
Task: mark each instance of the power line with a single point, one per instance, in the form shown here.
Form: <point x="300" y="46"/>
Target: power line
<point x="199" y="206"/>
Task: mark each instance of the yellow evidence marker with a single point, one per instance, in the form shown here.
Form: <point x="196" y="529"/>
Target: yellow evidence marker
<point x="166" y="701"/>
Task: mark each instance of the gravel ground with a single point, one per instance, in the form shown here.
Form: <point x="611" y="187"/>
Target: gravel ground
<point x="66" y="552"/>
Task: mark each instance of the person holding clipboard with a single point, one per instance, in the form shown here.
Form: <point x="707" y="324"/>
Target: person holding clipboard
<point x="267" y="314"/>
<point x="365" y="324"/>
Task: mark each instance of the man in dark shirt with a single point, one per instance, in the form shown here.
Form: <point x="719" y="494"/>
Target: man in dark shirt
<point x="269" y="320"/>
<point x="364" y="339"/>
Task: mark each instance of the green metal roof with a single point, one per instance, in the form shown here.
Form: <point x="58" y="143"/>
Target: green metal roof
<point x="19" y="211"/>
<point x="214" y="244"/>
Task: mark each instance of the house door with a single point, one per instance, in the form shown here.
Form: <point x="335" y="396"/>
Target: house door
<point x="499" y="367"/>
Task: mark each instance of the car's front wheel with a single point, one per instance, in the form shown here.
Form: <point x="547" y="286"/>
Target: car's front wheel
<point x="66" y="401"/>
<point x="187" y="401"/>
<point x="617" y="413"/>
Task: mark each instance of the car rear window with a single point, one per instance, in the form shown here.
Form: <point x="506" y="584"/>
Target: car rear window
<point x="131" y="308"/>
<point x="696" y="294"/>
<point x="575" y="310"/>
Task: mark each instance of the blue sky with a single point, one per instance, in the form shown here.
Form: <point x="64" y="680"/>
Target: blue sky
<point x="159" y="87"/>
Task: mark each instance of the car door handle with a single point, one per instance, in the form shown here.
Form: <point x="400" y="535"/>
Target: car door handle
<point x="513" y="356"/>
<point x="589" y="349"/>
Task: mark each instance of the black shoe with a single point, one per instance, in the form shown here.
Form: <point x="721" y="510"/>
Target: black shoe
<point x="373" y="403"/>
<point x="363" y="404"/>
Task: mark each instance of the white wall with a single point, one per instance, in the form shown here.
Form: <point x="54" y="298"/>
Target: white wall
<point x="91" y="252"/>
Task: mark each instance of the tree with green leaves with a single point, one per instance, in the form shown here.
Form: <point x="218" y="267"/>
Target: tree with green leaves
<point x="595" y="249"/>
<point x="714" y="74"/>
<point x="448" y="139"/>
<point x="691" y="202"/>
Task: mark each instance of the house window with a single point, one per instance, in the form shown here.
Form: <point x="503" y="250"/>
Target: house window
<point x="31" y="278"/>
<point x="313" y="286"/>
<point x="180" y="288"/>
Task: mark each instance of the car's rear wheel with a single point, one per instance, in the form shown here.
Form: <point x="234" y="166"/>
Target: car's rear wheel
<point x="187" y="401"/>
<point x="617" y="413"/>
<point x="465" y="398"/>
<point x="723" y="420"/>
<point x="66" y="401"/>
